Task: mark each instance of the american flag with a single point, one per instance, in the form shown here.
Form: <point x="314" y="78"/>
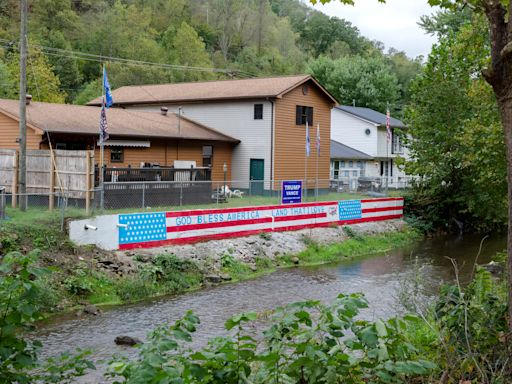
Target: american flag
<point x="318" y="139"/>
<point x="103" y="125"/>
<point x="308" y="146"/>
<point x="388" y="128"/>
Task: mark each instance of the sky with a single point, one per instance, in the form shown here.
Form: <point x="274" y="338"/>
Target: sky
<point x="393" y="23"/>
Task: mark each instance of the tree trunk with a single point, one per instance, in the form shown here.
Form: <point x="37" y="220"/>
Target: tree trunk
<point x="505" y="106"/>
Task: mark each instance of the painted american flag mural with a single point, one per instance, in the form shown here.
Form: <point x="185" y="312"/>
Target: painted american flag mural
<point x="144" y="230"/>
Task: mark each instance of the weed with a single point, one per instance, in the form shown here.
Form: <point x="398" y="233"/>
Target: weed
<point x="227" y="261"/>
<point x="266" y="236"/>
<point x="349" y="231"/>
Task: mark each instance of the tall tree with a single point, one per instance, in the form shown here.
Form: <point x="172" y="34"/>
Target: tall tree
<point x="186" y="48"/>
<point x="499" y="75"/>
<point x="369" y="82"/>
<point x="42" y="83"/>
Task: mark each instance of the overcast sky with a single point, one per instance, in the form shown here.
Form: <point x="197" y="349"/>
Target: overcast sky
<point x="393" y="23"/>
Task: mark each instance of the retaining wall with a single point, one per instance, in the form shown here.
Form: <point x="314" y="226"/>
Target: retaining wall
<point x="154" y="229"/>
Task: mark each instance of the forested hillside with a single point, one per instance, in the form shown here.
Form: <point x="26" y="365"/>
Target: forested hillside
<point x="221" y="38"/>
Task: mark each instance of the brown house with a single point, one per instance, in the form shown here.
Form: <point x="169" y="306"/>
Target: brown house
<point x="268" y="115"/>
<point x="136" y="137"/>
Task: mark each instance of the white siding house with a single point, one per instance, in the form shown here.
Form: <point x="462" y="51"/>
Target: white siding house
<point x="237" y="118"/>
<point x="364" y="129"/>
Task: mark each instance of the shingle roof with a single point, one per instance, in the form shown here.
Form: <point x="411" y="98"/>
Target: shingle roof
<point x="79" y="119"/>
<point x="261" y="87"/>
<point x="371" y="115"/>
<point x="342" y="151"/>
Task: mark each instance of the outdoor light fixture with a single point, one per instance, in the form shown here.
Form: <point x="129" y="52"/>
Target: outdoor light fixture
<point x="91" y="227"/>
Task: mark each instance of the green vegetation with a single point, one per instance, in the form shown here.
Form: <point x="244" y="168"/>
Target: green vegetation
<point x="359" y="245"/>
<point x="461" y="337"/>
<point x="242" y="38"/>
<point x="306" y="342"/>
<point x="458" y="144"/>
<point x="20" y="306"/>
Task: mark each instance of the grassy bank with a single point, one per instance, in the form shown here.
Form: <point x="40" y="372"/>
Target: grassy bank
<point x="79" y="276"/>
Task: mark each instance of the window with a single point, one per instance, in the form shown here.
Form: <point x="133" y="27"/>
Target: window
<point x="351" y="164"/>
<point x="258" y="111"/>
<point x="386" y="168"/>
<point x="116" y="154"/>
<point x="336" y="169"/>
<point x="303" y="114"/>
<point x="207" y="155"/>
<point x="342" y="164"/>
<point x="396" y="143"/>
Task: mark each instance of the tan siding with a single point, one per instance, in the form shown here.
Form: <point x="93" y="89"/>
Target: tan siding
<point x="222" y="153"/>
<point x="9" y="131"/>
<point x="290" y="139"/>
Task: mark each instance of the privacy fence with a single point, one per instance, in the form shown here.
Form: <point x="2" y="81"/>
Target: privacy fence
<point x="50" y="175"/>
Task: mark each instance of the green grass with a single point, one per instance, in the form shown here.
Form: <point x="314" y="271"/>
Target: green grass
<point x="351" y="248"/>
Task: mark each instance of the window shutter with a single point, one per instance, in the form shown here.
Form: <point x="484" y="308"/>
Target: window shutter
<point x="298" y="115"/>
<point x="309" y="112"/>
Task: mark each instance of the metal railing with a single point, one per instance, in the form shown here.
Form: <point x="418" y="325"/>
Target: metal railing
<point x="129" y="174"/>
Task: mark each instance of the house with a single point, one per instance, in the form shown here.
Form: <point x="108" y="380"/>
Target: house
<point x="136" y="137"/>
<point x="268" y="116"/>
<point x="364" y="130"/>
<point x="348" y="164"/>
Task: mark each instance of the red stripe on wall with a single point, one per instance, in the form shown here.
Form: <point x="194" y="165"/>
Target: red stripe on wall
<point x="218" y="236"/>
<point x="247" y="209"/>
<point x="191" y="227"/>
<point x="382" y="199"/>
<point x="301" y="217"/>
<point x="382" y="209"/>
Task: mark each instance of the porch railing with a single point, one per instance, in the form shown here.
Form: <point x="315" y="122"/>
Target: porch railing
<point x="113" y="175"/>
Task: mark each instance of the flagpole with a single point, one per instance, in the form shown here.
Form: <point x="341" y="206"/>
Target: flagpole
<point x="387" y="147"/>
<point x="317" y="156"/>
<point x="306" y="165"/>
<point x="102" y="146"/>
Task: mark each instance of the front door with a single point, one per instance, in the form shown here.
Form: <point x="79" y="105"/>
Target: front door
<point x="257" y="175"/>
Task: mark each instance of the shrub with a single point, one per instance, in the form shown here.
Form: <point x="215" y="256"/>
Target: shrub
<point x="307" y="342"/>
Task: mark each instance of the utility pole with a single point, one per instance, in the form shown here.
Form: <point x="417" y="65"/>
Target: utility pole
<point x="22" y="178"/>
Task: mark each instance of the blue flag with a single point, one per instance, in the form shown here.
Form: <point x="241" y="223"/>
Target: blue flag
<point x="108" y="92"/>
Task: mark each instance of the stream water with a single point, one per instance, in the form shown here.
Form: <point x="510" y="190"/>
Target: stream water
<point x="377" y="276"/>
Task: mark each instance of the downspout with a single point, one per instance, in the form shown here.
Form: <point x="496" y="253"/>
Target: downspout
<point x="272" y="139"/>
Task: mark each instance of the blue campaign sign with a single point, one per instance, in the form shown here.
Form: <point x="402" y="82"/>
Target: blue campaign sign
<point x="292" y="192"/>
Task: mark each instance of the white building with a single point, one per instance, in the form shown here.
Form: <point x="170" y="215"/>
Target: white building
<point x="364" y="130"/>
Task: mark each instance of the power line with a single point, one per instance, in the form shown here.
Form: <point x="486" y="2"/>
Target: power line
<point x="101" y="58"/>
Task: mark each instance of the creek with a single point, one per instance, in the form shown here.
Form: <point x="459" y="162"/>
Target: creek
<point x="378" y="276"/>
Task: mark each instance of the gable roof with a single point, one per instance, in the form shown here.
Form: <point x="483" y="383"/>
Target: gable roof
<point x="371" y="115"/>
<point x="257" y="88"/>
<point x="342" y="151"/>
<point x="79" y="119"/>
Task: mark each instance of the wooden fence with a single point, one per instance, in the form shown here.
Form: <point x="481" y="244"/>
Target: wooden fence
<point x="49" y="173"/>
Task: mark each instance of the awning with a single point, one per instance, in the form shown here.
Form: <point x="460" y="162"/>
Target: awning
<point x="126" y="143"/>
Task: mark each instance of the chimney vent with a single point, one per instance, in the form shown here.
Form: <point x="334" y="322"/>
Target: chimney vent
<point x="163" y="110"/>
<point x="28" y="99"/>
